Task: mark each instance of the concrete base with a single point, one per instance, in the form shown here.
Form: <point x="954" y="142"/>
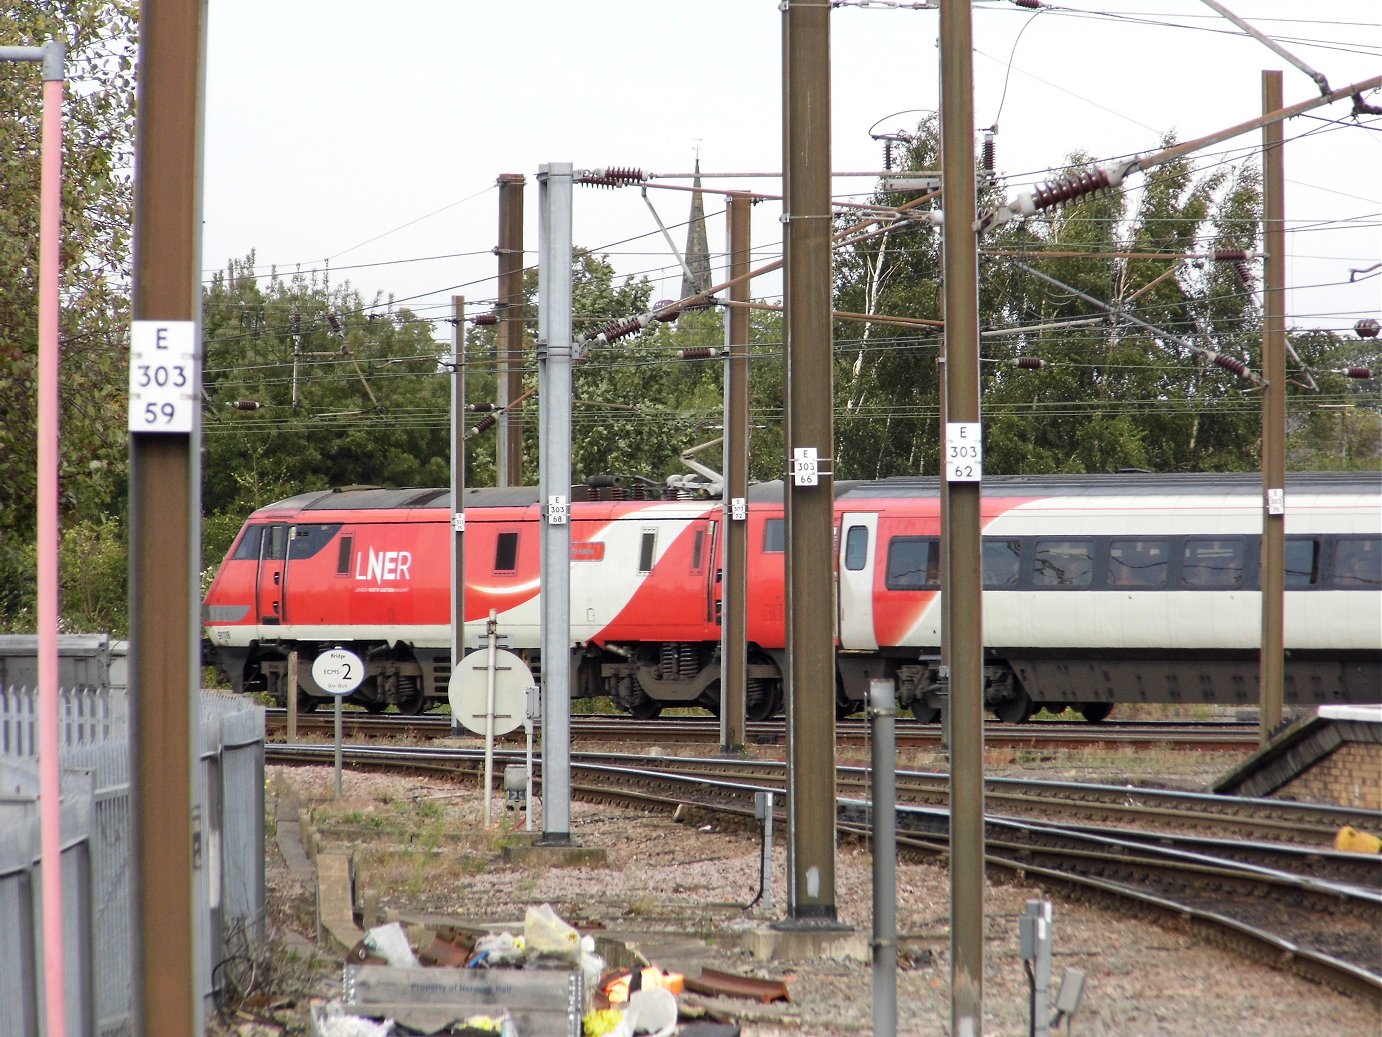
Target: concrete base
<point x="772" y="944"/>
<point x="335" y="910"/>
<point x="556" y="856"/>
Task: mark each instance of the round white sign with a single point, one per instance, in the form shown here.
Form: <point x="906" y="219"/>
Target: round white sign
<point x="338" y="671"/>
<point x="468" y="691"/>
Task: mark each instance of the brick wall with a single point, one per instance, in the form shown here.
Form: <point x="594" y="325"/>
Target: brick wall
<point x="1351" y="776"/>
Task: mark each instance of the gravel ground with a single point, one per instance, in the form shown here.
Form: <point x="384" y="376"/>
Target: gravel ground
<point x="1144" y="977"/>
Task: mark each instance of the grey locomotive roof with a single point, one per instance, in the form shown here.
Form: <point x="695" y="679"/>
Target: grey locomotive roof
<point x="375" y="498"/>
<point x="371" y="498"/>
<point x="1126" y="484"/>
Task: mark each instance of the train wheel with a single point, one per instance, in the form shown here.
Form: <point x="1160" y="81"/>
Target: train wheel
<point x="844" y="705"/>
<point x="414" y="702"/>
<point x="307" y="703"/>
<point x="925" y="714"/>
<point x="1016" y="709"/>
<point x="1094" y="711"/>
<point x="367" y="697"/>
<point x="710" y="700"/>
<point x="765" y="707"/>
<point x="646" y="708"/>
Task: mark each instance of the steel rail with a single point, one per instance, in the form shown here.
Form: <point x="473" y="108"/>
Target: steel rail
<point x="659" y="787"/>
<point x="683" y="730"/>
<point x="1309" y="824"/>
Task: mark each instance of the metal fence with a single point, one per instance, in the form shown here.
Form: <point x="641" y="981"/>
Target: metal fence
<point x="98" y="854"/>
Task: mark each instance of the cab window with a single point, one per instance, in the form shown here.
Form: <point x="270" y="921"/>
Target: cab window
<point x="774" y="536"/>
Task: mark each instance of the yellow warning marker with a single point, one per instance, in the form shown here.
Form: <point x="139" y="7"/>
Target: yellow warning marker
<point x="1350" y="840"/>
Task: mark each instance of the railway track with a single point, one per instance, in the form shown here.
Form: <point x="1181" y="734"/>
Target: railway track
<point x="1258" y="875"/>
<point x="1205" y="737"/>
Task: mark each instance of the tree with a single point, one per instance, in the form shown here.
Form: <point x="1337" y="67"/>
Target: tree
<point x="307" y="387"/>
<point x="636" y="407"/>
<point x="1340" y="426"/>
<point x="1116" y="392"/>
<point x="1134" y="392"/>
<point x="94" y="259"/>
<point x="886" y="375"/>
<point x="98" y="134"/>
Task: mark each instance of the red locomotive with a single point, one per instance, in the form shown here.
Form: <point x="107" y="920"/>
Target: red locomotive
<point x="1097" y="590"/>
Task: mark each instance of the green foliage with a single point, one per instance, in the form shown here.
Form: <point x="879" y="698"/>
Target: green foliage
<point x="1128" y="384"/>
<point x="92" y="567"/>
<point x="887" y="378"/>
<point x="636" y="406"/>
<point x="1118" y="394"/>
<point x="1340" y="426"/>
<point x="365" y="404"/>
<point x="94" y="268"/>
<point x="98" y="135"/>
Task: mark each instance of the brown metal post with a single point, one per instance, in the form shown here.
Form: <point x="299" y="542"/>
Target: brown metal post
<point x="290" y="697"/>
<point x="458" y="481"/>
<point x="810" y="427"/>
<point x="734" y="518"/>
<point x="961" y="526"/>
<point x="1271" y="666"/>
<point x="508" y="459"/>
<point x="165" y="549"/>
<point x="947" y="618"/>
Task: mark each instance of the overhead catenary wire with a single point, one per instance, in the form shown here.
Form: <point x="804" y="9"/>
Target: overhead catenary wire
<point x="416" y="297"/>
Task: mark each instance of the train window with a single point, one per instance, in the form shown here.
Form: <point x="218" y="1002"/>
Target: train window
<point x="1138" y="563"/>
<point x="1063" y="563"/>
<point x="696" y="549"/>
<point x="248" y="547"/>
<point x="1302" y="562"/>
<point x="506" y="553"/>
<point x="305" y="541"/>
<point x="1001" y="562"/>
<point x="774" y="536"/>
<point x="343" y="555"/>
<point x="1212" y="563"/>
<point x="856" y="548"/>
<point x="1358" y="563"/>
<point x="646" y="551"/>
<point x="273" y="543"/>
<point x="914" y="563"/>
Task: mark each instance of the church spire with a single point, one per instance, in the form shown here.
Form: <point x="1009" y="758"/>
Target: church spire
<point x="696" y="277"/>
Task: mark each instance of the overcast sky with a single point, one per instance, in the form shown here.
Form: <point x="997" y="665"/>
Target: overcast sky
<point x="369" y="135"/>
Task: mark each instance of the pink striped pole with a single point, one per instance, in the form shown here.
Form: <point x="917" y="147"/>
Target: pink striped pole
<point x="49" y="776"/>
